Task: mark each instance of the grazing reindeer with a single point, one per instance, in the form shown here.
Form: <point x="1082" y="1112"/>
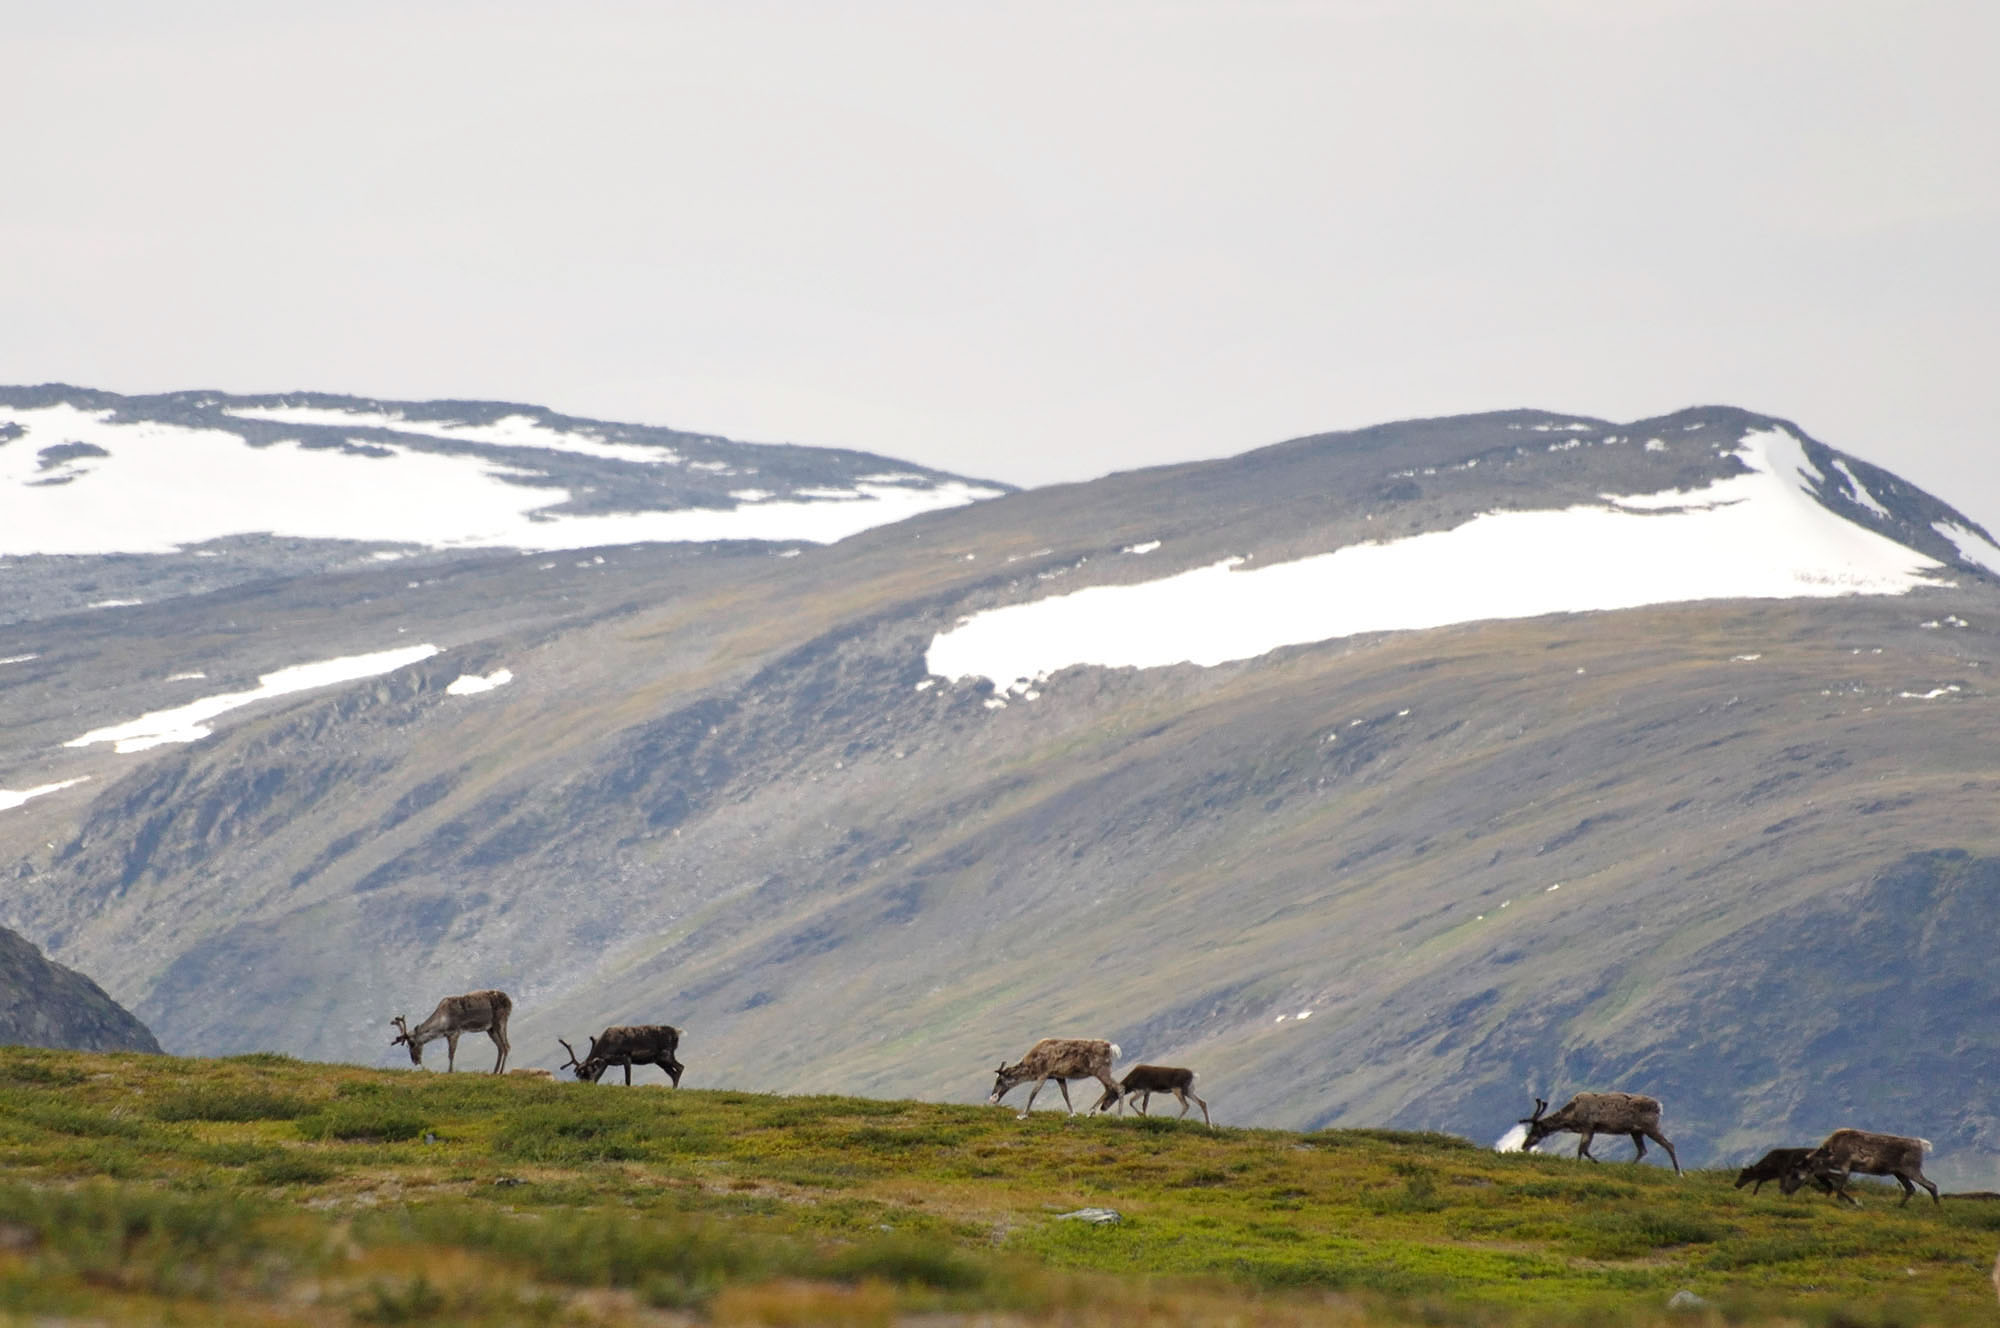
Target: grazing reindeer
<point x="1590" y="1114"/>
<point x="1776" y="1165"/>
<point x="475" y="1012"/>
<point x="629" y="1045"/>
<point x="1146" y="1080"/>
<point x="1060" y="1059"/>
<point x="1845" y="1152"/>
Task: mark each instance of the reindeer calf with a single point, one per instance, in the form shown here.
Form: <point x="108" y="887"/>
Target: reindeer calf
<point x="1845" y="1152"/>
<point x="1591" y="1114"/>
<point x="1146" y="1080"/>
<point x="1775" y="1165"/>
<point x="1060" y="1059"/>
<point x="629" y="1045"/>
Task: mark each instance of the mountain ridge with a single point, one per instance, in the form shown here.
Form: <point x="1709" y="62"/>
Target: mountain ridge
<point x="728" y="793"/>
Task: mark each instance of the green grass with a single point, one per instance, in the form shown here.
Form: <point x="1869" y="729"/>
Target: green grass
<point x="149" y="1189"/>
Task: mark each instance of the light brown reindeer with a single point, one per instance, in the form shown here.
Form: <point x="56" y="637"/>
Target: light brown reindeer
<point x="1845" y="1152"/>
<point x="1591" y="1114"/>
<point x="475" y="1012"/>
<point x="1146" y="1080"/>
<point x="1060" y="1059"/>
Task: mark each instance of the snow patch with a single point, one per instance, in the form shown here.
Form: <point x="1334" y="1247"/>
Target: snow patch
<point x="1757" y="535"/>
<point x="1932" y="695"/>
<point x="165" y="486"/>
<point x="1972" y="545"/>
<point x="472" y="684"/>
<point x="1860" y="491"/>
<point x="1147" y="547"/>
<point x="18" y="659"/>
<point x="12" y="798"/>
<point x="189" y="723"/>
<point x="508" y="431"/>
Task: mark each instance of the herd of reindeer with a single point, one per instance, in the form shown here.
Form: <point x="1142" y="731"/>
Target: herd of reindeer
<point x="1841" y="1155"/>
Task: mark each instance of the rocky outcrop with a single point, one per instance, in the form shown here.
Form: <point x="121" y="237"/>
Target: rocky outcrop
<point x="43" y="1004"/>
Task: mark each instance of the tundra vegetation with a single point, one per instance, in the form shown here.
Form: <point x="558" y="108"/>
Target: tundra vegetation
<point x="147" y="1189"/>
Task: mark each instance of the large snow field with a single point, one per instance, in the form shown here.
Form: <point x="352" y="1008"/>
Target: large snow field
<point x="189" y="723"/>
<point x="1760" y="535"/>
<point x="164" y="486"/>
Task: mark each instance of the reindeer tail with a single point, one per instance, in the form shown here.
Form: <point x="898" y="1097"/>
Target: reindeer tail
<point x="1116" y="1051"/>
<point x="1926" y="1144"/>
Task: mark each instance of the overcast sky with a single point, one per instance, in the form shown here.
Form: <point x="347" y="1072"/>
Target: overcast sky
<point x="1028" y="241"/>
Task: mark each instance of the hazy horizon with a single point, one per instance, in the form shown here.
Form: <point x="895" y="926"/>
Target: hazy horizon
<point x="1033" y="244"/>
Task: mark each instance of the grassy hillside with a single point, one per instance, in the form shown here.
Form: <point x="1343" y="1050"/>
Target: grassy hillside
<point x="141" y="1189"/>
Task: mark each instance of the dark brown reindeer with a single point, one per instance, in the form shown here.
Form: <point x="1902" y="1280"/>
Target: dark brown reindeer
<point x="628" y="1045"/>
<point x="1060" y="1059"/>
<point x="475" y="1012"/>
<point x="1776" y="1165"/>
<point x="1143" y="1081"/>
<point x="1845" y="1152"/>
<point x="1591" y="1114"/>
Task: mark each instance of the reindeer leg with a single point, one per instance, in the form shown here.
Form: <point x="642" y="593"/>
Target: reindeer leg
<point x="450" y="1052"/>
<point x="1932" y="1188"/>
<point x="1204" y="1108"/>
<point x="1639" y="1143"/>
<point x="1031" y="1098"/>
<point x="1665" y="1143"/>
<point x="499" y="1035"/>
<point x="628" y="1071"/>
<point x="1180" y="1096"/>
<point x="1908" y="1189"/>
<point x="1064" y="1085"/>
<point x="1583" y="1145"/>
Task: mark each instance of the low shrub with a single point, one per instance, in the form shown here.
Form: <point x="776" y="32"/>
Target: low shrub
<point x="215" y="1102"/>
<point x="378" y="1121"/>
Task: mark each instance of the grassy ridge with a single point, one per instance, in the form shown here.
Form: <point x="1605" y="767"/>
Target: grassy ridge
<point x="135" y="1189"/>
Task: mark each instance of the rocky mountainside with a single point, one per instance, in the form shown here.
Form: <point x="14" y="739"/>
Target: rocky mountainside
<point x="1391" y="777"/>
<point x="46" y="1005"/>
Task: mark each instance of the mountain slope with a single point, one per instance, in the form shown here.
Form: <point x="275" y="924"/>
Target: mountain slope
<point x="46" y="1005"/>
<point x="1503" y="856"/>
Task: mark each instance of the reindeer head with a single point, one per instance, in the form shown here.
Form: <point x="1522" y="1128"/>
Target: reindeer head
<point x="1005" y="1079"/>
<point x="403" y="1039"/>
<point x="591" y="1068"/>
<point x="1538" y="1129"/>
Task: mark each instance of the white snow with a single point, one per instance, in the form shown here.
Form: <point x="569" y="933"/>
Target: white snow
<point x="1145" y="548"/>
<point x="1759" y="535"/>
<point x="1932" y="695"/>
<point x="165" y="486"/>
<point x="12" y="798"/>
<point x="186" y="677"/>
<point x="1860" y="491"/>
<point x="113" y="603"/>
<point x="508" y="431"/>
<point x="189" y="723"/>
<point x="1655" y="445"/>
<point x="18" y="659"/>
<point x="1971" y="545"/>
<point x="472" y="684"/>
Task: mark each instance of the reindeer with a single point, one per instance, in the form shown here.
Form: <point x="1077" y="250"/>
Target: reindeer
<point x="1146" y="1080"/>
<point x="1845" y="1152"/>
<point x="475" y="1012"/>
<point x="1775" y="1165"/>
<point x="1060" y="1059"/>
<point x="628" y="1045"/>
<point x="1590" y="1114"/>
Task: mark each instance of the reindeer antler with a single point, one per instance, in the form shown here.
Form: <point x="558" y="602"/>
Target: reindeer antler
<point x="402" y="1031"/>
<point x="573" y="1062"/>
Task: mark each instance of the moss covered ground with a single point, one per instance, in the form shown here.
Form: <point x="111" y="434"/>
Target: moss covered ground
<point x="146" y="1189"/>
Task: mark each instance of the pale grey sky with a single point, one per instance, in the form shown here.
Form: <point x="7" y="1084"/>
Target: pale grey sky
<point x="1034" y="241"/>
